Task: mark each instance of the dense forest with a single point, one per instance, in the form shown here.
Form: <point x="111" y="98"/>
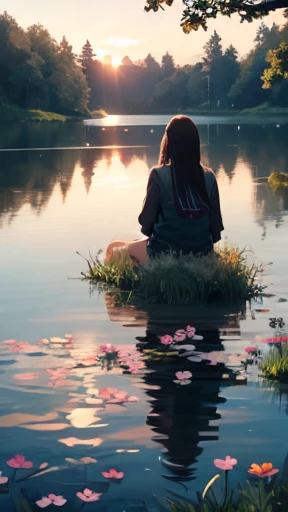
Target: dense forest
<point x="36" y="72"/>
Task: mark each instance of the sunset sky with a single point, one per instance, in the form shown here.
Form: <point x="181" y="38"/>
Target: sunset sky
<point x="122" y="28"/>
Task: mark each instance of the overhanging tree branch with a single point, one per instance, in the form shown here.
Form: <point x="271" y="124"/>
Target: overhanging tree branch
<point x="197" y="13"/>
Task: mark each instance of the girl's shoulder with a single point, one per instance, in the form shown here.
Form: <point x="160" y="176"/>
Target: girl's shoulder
<point x="159" y="173"/>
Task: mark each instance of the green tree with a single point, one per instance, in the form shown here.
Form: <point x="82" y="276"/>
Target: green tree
<point x="213" y="61"/>
<point x="278" y="69"/>
<point x="167" y="65"/>
<point x="172" y="91"/>
<point x="86" y="57"/>
<point x="17" y="65"/>
<point x="247" y="91"/>
<point x="197" y="86"/>
<point x="151" y="64"/>
<point x="213" y="48"/>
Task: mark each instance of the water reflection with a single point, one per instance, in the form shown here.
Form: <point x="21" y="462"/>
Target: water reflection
<point x="31" y="177"/>
<point x="181" y="416"/>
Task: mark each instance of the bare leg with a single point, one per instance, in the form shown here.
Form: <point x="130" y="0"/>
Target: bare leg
<point x="138" y="250"/>
<point x="117" y="244"/>
<point x="135" y="249"/>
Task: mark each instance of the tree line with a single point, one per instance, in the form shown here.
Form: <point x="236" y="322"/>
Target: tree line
<point x="36" y="72"/>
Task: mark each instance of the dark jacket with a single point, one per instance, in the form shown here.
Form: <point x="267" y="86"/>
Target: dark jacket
<point x="159" y="216"/>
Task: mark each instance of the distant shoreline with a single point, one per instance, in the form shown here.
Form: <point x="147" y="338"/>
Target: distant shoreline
<point x="12" y="114"/>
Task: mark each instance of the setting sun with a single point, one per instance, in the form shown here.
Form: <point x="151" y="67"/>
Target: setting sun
<point x="116" y="61"/>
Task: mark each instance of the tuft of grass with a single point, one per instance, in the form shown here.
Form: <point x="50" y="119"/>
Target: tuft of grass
<point x="223" y="276"/>
<point x="275" y="364"/>
<point x="99" y="113"/>
<point x="278" y="181"/>
<point x="265" y="109"/>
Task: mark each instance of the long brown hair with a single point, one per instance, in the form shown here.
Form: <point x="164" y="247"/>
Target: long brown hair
<point x="180" y="148"/>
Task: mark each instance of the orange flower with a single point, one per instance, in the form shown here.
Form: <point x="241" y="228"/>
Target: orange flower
<point x="265" y="470"/>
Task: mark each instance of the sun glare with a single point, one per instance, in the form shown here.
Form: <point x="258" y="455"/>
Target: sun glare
<point x="116" y="61"/>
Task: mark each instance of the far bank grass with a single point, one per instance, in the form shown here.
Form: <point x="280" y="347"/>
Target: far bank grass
<point x="224" y="276"/>
<point x="12" y="113"/>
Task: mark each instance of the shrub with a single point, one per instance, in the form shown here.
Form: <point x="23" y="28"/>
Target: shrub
<point x="278" y="181"/>
<point x="275" y="364"/>
<point x="223" y="276"/>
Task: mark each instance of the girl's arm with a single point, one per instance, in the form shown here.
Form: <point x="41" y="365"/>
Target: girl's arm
<point x="150" y="207"/>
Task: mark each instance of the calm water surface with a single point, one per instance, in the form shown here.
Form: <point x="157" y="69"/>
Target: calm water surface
<point x="75" y="188"/>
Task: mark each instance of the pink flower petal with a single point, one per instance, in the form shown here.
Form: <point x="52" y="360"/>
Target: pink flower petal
<point x="231" y="461"/>
<point x="133" y="399"/>
<point x="44" y="465"/>
<point x="13" y="464"/>
<point x="59" y="501"/>
<point x="104" y="394"/>
<point x="166" y="340"/>
<point x="113" y="473"/>
<point x="44" y="502"/>
<point x="251" y="349"/>
<point x="106" y="474"/>
<point x="120" y="395"/>
<point x="180" y="337"/>
<point x="27" y="465"/>
<point x="183" y="375"/>
<point x="118" y="475"/>
<point x="190" y="331"/>
<point x="26" y="376"/>
<point x="20" y="458"/>
<point x="226" y="464"/>
<point x="10" y="342"/>
<point x="221" y="464"/>
<point x="88" y="496"/>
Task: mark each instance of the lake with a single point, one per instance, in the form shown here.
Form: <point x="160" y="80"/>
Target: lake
<point x="75" y="187"/>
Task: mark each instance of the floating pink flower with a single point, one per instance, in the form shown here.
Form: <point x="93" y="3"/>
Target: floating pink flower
<point x="89" y="361"/>
<point x="59" y="373"/>
<point x="88" y="496"/>
<point x="275" y="339"/>
<point x="26" y="376"/>
<point x="19" y="462"/>
<point x="132" y="399"/>
<point x="134" y="367"/>
<point x="226" y="464"/>
<point x="190" y="331"/>
<point x="166" y="340"/>
<point x="183" y="375"/>
<point x="180" y="335"/>
<point x="108" y="348"/>
<point x="3" y="479"/>
<point x="105" y="394"/>
<point x="113" y="474"/>
<point x="17" y="346"/>
<point x="251" y="350"/>
<point x="44" y="341"/>
<point x="59" y="501"/>
<point x="121" y="395"/>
